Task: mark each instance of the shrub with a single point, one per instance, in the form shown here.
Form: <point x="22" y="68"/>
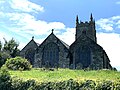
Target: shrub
<point x="19" y="84"/>
<point x="18" y="63"/>
<point x="105" y="85"/>
<point x="88" y="85"/>
<point x="5" y="80"/>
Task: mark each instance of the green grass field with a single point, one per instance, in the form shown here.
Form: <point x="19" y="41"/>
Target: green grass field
<point x="65" y="74"/>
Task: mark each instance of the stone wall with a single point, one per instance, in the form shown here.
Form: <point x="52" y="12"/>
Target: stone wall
<point x="31" y="46"/>
<point x="98" y="55"/>
<point x="63" y="52"/>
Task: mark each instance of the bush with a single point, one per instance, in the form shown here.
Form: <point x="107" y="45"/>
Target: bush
<point x="19" y="84"/>
<point x="105" y="85"/>
<point x="5" y="80"/>
<point x="88" y="85"/>
<point x="18" y="63"/>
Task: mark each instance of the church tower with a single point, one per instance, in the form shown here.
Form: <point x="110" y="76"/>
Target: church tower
<point x="87" y="28"/>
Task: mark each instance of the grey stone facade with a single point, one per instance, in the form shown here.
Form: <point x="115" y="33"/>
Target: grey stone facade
<point x="29" y="50"/>
<point x="53" y="52"/>
<point x="84" y="52"/>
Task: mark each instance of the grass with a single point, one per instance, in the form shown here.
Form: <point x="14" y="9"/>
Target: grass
<point x="65" y="74"/>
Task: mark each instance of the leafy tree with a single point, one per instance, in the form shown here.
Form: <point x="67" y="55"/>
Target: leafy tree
<point x="11" y="47"/>
<point x="8" y="50"/>
<point x="18" y="63"/>
<point x="3" y="57"/>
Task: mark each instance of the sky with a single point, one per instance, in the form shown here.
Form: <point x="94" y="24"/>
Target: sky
<point x="22" y="19"/>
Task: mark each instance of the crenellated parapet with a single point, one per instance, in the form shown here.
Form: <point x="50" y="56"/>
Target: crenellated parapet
<point x="87" y="27"/>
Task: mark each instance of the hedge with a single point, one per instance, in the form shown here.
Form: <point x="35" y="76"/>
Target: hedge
<point x="8" y="83"/>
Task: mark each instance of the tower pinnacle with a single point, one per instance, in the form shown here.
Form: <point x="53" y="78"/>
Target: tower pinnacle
<point x="91" y="17"/>
<point x="77" y="20"/>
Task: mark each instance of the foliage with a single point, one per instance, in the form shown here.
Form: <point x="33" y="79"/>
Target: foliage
<point x="97" y="82"/>
<point x="64" y="74"/>
<point x="3" y="57"/>
<point x="5" y="80"/>
<point x="88" y="85"/>
<point x="18" y="63"/>
<point x="18" y="84"/>
<point x="8" y="50"/>
<point x="0" y="46"/>
<point x="105" y="85"/>
<point x="11" y="47"/>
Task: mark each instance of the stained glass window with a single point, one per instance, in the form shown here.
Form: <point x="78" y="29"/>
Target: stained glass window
<point x="83" y="56"/>
<point x="51" y="54"/>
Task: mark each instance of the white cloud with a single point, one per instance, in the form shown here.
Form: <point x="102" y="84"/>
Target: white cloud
<point x="108" y="24"/>
<point x="111" y="43"/>
<point x="26" y="6"/>
<point x="68" y="36"/>
<point x="105" y="24"/>
<point x="24" y="22"/>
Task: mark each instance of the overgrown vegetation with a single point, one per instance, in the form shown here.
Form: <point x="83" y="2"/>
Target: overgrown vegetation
<point x="5" y="80"/>
<point x="18" y="63"/>
<point x="8" y="50"/>
<point x="11" y="82"/>
<point x="65" y="74"/>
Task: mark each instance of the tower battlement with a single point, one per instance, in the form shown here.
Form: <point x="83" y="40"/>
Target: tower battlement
<point x="88" y="27"/>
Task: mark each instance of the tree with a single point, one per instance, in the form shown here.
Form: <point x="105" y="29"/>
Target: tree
<point x="8" y="50"/>
<point x="11" y="47"/>
<point x="3" y="57"/>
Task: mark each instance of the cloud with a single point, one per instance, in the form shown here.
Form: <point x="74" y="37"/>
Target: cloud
<point x="24" y="22"/>
<point x="111" y="43"/>
<point x="20" y="23"/>
<point x="108" y="24"/>
<point x="68" y="36"/>
<point x="25" y="6"/>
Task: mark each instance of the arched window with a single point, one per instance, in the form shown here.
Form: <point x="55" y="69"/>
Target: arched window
<point x="83" y="56"/>
<point x="51" y="54"/>
<point x="29" y="55"/>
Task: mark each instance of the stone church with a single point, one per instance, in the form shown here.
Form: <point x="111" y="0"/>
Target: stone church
<point x="83" y="53"/>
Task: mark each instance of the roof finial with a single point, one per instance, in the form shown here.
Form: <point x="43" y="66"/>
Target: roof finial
<point x="91" y="17"/>
<point x="32" y="37"/>
<point x="52" y="30"/>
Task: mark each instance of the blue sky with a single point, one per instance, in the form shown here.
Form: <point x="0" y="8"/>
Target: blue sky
<point x="22" y="19"/>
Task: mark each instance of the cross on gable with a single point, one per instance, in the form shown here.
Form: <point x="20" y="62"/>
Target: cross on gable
<point x="52" y="30"/>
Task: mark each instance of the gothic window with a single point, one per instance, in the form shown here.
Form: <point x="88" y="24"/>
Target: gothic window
<point x="83" y="56"/>
<point x="51" y="54"/>
<point x="29" y="55"/>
